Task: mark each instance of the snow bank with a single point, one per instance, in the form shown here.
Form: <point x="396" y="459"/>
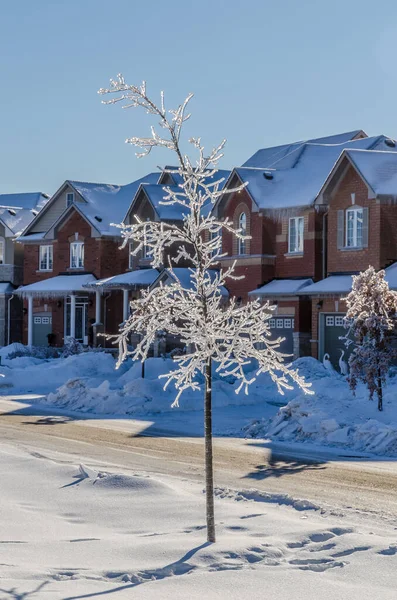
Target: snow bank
<point x="333" y="416"/>
<point x="27" y="374"/>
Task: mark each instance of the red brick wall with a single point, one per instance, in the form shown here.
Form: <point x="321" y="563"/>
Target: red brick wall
<point x="340" y="261"/>
<point x="388" y="239"/>
<point x="308" y="265"/>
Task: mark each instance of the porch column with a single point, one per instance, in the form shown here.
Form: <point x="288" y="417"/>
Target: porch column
<point x="126" y="305"/>
<point x="72" y="316"/>
<point x="98" y="300"/>
<point x="30" y="320"/>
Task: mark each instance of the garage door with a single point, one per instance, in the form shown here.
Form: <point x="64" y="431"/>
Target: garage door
<point x="283" y="326"/>
<point x="331" y="328"/>
<point x="42" y="326"/>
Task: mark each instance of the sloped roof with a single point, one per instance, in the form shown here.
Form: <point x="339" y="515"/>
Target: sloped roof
<point x="130" y="280"/>
<point x="282" y="287"/>
<point x="184" y="276"/>
<point x="59" y="286"/>
<point x="295" y="180"/>
<point x="379" y="169"/>
<point x="178" y="180"/>
<point x="18" y="210"/>
<point x="108" y="202"/>
<point x="156" y="194"/>
<point x="342" y="284"/>
<point x="266" y="157"/>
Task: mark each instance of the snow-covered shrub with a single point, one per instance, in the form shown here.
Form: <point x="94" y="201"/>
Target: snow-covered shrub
<point x="371" y="319"/>
<point x="40" y="352"/>
<point x="71" y="347"/>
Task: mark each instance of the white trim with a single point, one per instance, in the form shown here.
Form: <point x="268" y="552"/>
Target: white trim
<point x="355" y="210"/>
<point x="130" y="255"/>
<point x="242" y="244"/>
<point x="299" y="241"/>
<point x="79" y="255"/>
<point x="2" y="251"/>
<point x="69" y="203"/>
<point x="49" y="258"/>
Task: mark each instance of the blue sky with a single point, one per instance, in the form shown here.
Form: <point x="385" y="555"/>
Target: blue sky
<point x="263" y="73"/>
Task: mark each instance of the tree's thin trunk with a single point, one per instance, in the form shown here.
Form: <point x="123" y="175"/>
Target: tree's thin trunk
<point x="143" y="370"/>
<point x="380" y="393"/>
<point x="209" y="471"/>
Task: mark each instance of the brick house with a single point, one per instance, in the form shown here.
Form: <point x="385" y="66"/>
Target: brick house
<point x="70" y="243"/>
<point x="16" y="212"/>
<point x="288" y="225"/>
<point x="359" y="197"/>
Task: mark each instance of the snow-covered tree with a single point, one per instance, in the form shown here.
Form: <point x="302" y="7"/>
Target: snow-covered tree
<point x="371" y="320"/>
<point x="219" y="335"/>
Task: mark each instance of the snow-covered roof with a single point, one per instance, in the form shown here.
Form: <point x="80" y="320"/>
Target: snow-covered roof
<point x="295" y="178"/>
<point x="167" y="212"/>
<point x="266" y="157"/>
<point x="334" y="284"/>
<point x="130" y="280"/>
<point x="6" y="288"/>
<point x="31" y="237"/>
<point x="184" y="276"/>
<point x="220" y="174"/>
<point x="379" y="169"/>
<point x="59" y="286"/>
<point x="282" y="287"/>
<point x="342" y="284"/>
<point x="18" y="210"/>
<point x="106" y="204"/>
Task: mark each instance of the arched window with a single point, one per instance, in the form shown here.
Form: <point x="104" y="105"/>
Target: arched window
<point x="242" y="225"/>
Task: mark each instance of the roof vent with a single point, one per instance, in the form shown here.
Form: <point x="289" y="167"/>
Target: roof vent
<point x="12" y="212"/>
<point x="99" y="219"/>
<point x="34" y="212"/>
<point x="268" y="175"/>
<point x="390" y="143"/>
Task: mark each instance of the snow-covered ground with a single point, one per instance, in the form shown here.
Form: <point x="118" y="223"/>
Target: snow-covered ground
<point x="79" y="531"/>
<point x="89" y="385"/>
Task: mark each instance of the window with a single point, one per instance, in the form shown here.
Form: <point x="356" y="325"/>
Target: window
<point x="287" y="323"/>
<point x="2" y="251"/>
<point x="272" y="323"/>
<point x="69" y="198"/>
<point x="130" y="256"/>
<point x="280" y="323"/>
<point x="242" y="225"/>
<point x="45" y="258"/>
<point x="354" y="228"/>
<point x="339" y="321"/>
<point x="329" y="321"/>
<point x="76" y="255"/>
<point x="295" y="234"/>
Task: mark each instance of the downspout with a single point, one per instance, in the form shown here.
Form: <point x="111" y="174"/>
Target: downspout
<point x="324" y="256"/>
<point x="9" y="320"/>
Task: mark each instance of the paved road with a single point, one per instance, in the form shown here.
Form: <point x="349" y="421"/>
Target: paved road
<point x="362" y="485"/>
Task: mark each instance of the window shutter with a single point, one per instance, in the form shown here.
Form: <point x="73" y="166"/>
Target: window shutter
<point x="341" y="222"/>
<point x="365" y="227"/>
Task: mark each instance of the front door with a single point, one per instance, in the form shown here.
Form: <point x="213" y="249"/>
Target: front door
<point x="81" y="319"/>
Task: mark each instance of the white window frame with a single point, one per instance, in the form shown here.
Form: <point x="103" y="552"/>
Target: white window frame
<point x="242" y="224"/>
<point x="2" y="251"/>
<point x="79" y="254"/>
<point x="48" y="258"/>
<point x="355" y="210"/>
<point x="299" y="225"/>
<point x="69" y="199"/>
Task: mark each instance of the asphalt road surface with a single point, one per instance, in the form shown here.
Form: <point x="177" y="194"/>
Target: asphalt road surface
<point x="365" y="486"/>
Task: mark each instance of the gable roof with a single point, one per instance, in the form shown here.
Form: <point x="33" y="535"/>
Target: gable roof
<point x="379" y="169"/>
<point x="18" y="210"/>
<point x="281" y="287"/>
<point x="298" y="182"/>
<point x="103" y="204"/>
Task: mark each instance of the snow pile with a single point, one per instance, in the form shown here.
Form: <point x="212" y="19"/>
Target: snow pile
<point x="28" y="374"/>
<point x="333" y="416"/>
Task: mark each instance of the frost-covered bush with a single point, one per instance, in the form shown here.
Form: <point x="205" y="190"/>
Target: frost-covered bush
<point x="41" y="352"/>
<point x="71" y="347"/>
<point x="371" y="318"/>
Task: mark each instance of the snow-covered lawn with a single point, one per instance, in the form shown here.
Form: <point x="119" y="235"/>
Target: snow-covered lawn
<point x="332" y="417"/>
<point x="77" y="531"/>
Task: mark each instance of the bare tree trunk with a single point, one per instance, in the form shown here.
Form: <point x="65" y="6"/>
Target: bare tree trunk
<point x="379" y="391"/>
<point x="209" y="471"/>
